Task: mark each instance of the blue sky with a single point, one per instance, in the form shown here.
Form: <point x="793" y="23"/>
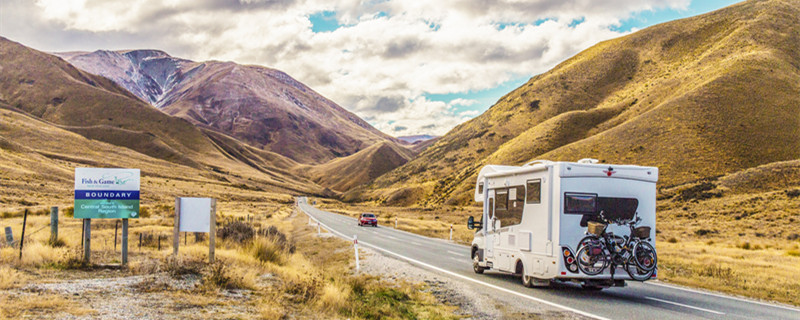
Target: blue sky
<point x="487" y="98"/>
<point x="326" y="21"/>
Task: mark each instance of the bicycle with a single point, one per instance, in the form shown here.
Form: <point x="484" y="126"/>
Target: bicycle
<point x="599" y="249"/>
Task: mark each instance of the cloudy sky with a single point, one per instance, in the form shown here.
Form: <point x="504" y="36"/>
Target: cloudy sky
<point x="407" y="67"/>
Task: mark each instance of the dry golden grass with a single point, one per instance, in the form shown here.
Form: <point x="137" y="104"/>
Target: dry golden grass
<point x="314" y="280"/>
<point x="10" y="278"/>
<point x="21" y="307"/>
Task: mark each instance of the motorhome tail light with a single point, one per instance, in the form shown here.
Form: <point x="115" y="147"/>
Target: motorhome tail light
<point x="569" y="260"/>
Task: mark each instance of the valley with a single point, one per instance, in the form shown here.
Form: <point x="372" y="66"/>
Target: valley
<point x="711" y="100"/>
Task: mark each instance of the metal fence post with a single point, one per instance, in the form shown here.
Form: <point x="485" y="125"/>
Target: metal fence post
<point x="22" y="237"/>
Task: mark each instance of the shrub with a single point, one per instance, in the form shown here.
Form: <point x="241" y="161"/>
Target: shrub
<point x="144" y="212"/>
<point x="267" y="250"/>
<point x="703" y="232"/>
<point x="793" y="253"/>
<point x="716" y="271"/>
<point x="178" y="267"/>
<point x="744" y="245"/>
<point x="272" y="233"/>
<point x="672" y="240"/>
<point x="69" y="212"/>
<point x="237" y="231"/>
<point x="698" y="192"/>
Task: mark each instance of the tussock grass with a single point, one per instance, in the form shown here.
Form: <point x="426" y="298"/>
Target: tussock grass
<point x="19" y="307"/>
<point x="11" y="278"/>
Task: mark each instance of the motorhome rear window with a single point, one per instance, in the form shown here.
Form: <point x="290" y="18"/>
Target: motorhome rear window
<point x="617" y="208"/>
<point x="580" y="203"/>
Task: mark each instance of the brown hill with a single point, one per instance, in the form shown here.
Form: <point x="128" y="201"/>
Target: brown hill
<point x="698" y="97"/>
<point x="342" y="174"/>
<point x="48" y="88"/>
<point x="263" y="107"/>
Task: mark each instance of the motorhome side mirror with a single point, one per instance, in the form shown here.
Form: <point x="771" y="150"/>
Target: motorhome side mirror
<point x="471" y="223"/>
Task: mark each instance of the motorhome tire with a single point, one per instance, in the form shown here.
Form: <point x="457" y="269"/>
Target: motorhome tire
<point x="475" y="266"/>
<point x="527" y="281"/>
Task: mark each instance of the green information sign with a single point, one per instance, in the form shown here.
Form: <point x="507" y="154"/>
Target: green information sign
<point x="106" y="193"/>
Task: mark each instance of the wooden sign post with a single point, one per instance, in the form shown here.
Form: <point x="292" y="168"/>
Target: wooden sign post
<point x="53" y="225"/>
<point x="195" y="215"/>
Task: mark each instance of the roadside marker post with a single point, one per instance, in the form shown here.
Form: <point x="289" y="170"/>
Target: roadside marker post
<point x="355" y="245"/>
<point x="319" y="232"/>
<point x="395" y="222"/>
<point x="451" y="232"/>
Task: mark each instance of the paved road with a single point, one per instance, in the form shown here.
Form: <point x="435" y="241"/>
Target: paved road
<point x="649" y="301"/>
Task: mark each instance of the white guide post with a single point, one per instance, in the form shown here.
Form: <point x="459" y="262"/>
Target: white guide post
<point x="319" y="231"/>
<point x="395" y="222"/>
<point x="451" y="232"/>
<point x="355" y="245"/>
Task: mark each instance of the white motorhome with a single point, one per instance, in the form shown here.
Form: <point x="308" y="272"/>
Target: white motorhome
<point x="533" y="216"/>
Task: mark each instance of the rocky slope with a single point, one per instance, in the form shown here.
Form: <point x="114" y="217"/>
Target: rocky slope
<point x="264" y="107"/>
<point x="46" y="100"/>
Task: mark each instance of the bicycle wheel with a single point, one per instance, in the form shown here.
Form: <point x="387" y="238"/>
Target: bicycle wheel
<point x="644" y="255"/>
<point x="589" y="263"/>
<point x="586" y="240"/>
<point x="637" y="273"/>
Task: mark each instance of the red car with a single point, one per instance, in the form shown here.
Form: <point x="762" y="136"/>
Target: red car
<point x="368" y="219"/>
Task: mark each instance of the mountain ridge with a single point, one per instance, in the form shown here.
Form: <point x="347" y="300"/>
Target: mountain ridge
<point x="264" y="107"/>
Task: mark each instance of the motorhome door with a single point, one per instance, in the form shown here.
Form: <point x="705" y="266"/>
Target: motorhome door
<point x="490" y="231"/>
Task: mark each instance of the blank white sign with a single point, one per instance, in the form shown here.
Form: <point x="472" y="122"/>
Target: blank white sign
<point x="195" y="215"/>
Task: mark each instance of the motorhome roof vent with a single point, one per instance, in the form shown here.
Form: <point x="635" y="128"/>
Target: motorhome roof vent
<point x="588" y="161"/>
<point x="545" y="162"/>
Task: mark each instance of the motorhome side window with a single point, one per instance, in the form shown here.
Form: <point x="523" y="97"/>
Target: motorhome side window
<point x="580" y="203"/>
<point x="534" y="192"/>
<point x="509" y="205"/>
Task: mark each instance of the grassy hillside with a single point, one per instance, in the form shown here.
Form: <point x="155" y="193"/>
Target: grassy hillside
<point x="342" y="174"/>
<point x="49" y="98"/>
<point x="699" y="97"/>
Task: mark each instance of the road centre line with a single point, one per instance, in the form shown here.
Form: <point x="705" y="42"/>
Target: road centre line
<point x="455" y="253"/>
<point x="552" y="304"/>
<point x="684" y="305"/>
<point x="652" y="283"/>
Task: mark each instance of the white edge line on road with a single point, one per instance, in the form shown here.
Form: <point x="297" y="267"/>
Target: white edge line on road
<point x="552" y="304"/>
<point x="721" y="295"/>
<point x="684" y="305"/>
<point x="456" y="253"/>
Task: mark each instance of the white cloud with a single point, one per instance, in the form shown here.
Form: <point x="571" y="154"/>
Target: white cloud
<point x="378" y="65"/>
